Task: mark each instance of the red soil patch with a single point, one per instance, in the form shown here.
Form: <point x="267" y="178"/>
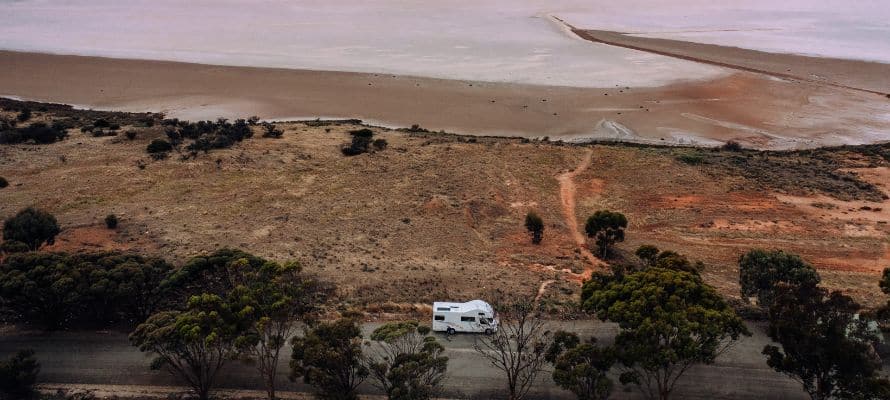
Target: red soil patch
<point x="99" y="238"/>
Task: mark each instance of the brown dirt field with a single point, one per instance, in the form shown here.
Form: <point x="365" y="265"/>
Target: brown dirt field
<point x="433" y="217"/>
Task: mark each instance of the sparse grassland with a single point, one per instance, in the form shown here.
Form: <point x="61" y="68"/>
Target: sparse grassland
<point x="439" y="216"/>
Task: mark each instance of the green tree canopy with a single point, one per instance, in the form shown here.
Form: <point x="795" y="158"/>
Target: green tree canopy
<point x="329" y="357"/>
<point x="193" y="345"/>
<point x="31" y="226"/>
<point x="669" y="321"/>
<point x="648" y="254"/>
<point x="280" y="296"/>
<point x="760" y="271"/>
<point x="60" y="289"/>
<point x="216" y="273"/>
<point x="535" y="225"/>
<point x="824" y="344"/>
<point x="607" y="228"/>
<point x="581" y="368"/>
<point x="406" y="363"/>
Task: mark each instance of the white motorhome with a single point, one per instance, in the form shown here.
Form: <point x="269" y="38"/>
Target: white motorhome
<point x="474" y="316"/>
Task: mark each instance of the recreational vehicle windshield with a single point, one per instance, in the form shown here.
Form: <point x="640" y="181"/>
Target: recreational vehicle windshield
<point x="473" y="316"/>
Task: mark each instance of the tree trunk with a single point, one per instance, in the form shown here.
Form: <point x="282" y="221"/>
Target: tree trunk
<point x="204" y="392"/>
<point x="270" y="386"/>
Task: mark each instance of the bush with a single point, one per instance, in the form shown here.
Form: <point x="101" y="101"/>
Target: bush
<point x="535" y="225"/>
<point x="270" y="131"/>
<point x="131" y="134"/>
<point x="362" y="141"/>
<point x="101" y="123"/>
<point x="18" y="375"/>
<point x="732" y="145"/>
<point x="24" y="115"/>
<point x="359" y="145"/>
<point x="3" y="182"/>
<point x="159" y="146"/>
<point x="111" y="221"/>
<point x="37" y="132"/>
<point x="364" y="132"/>
<point x="31" y="226"/>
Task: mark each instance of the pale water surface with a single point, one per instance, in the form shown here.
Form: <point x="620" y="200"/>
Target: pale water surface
<point x="488" y="40"/>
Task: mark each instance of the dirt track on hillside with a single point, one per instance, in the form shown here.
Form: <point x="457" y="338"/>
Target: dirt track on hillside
<point x="567" y="196"/>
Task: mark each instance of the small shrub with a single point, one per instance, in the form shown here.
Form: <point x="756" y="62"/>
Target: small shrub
<point x="24" y="115"/>
<point x="111" y="221"/>
<point x="358" y="146"/>
<point x="131" y="134"/>
<point x="364" y="132"/>
<point x="732" y="145"/>
<point x="535" y="225"/>
<point x="114" y="127"/>
<point x="380" y="144"/>
<point x="253" y="120"/>
<point x="270" y="131"/>
<point x="3" y="182"/>
<point x="159" y="146"/>
<point x="62" y="125"/>
<point x="101" y="123"/>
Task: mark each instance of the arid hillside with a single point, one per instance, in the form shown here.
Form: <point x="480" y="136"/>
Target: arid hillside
<point x="436" y="216"/>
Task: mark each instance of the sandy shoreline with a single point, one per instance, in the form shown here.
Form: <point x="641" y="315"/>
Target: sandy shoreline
<point x="871" y="77"/>
<point x="755" y="109"/>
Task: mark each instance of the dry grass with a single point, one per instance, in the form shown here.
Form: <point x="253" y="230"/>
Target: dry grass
<point x="433" y="217"/>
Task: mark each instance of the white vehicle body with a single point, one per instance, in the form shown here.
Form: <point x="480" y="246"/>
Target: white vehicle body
<point x="474" y="316"/>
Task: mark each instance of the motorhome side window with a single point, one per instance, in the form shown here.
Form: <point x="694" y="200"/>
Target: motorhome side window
<point x="439" y="317"/>
<point x="467" y="319"/>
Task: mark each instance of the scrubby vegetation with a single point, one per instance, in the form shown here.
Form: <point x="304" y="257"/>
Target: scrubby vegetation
<point x="3" y="182"/>
<point x="159" y="146"/>
<point x="206" y="135"/>
<point x="271" y="131"/>
<point x="809" y="171"/>
<point x="79" y="117"/>
<point x="363" y="142"/>
<point x="37" y="133"/>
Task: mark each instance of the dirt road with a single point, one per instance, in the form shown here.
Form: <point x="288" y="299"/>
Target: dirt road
<point x="567" y="196"/>
<point x="108" y="359"/>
